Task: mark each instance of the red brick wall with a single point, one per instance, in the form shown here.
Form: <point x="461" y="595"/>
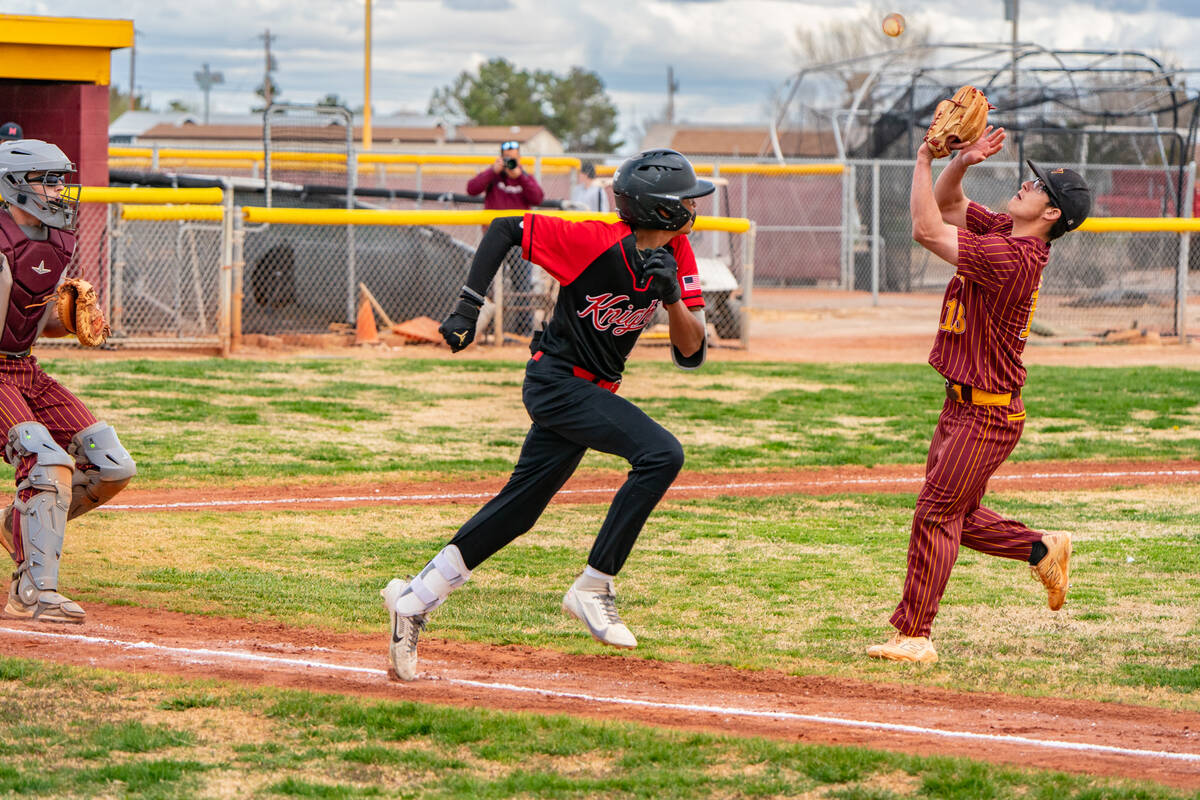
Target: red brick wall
<point x="73" y="116"/>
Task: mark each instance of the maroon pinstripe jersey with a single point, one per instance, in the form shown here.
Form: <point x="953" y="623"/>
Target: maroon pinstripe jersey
<point x="601" y="308"/>
<point x="989" y="304"/>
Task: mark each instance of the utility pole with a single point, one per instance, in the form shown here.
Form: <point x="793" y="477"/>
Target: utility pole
<point x="132" y="59"/>
<point x="268" y="86"/>
<point x="206" y="79"/>
<point x="1012" y="12"/>
<point x="366" y="131"/>
<point x="672" y="87"/>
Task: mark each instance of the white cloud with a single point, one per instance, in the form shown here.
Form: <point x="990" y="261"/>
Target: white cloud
<point x="726" y="54"/>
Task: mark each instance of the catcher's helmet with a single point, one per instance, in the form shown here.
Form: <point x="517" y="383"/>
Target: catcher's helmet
<point x="650" y="187"/>
<point x="20" y="157"/>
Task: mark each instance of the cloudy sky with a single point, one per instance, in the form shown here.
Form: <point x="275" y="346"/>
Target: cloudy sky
<point x="728" y="55"/>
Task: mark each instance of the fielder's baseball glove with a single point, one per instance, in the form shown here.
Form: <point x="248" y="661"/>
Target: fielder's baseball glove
<point x="79" y="310"/>
<point x="961" y="118"/>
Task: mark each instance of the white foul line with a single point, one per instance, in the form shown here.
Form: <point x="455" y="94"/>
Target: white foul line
<point x="413" y="498"/>
<point x="233" y="655"/>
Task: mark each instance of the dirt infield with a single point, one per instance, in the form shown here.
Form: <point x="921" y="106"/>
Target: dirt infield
<point x="1070" y="735"/>
<point x="599" y="487"/>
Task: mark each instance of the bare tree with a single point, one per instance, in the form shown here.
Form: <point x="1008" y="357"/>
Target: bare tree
<point x="850" y="39"/>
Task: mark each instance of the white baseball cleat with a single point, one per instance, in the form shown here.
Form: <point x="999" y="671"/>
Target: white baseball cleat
<point x="594" y="602"/>
<point x="402" y="651"/>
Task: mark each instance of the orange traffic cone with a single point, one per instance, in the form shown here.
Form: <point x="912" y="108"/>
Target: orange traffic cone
<point x="365" y="331"/>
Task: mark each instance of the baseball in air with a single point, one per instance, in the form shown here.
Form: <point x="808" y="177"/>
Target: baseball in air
<point x="893" y="24"/>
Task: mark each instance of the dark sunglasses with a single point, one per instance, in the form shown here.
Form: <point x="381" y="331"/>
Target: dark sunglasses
<point x="510" y="146"/>
<point x="49" y="179"/>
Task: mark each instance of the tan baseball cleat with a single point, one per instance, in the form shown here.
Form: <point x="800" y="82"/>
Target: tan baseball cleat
<point x="905" y="648"/>
<point x="1054" y="568"/>
<point x="47" y="606"/>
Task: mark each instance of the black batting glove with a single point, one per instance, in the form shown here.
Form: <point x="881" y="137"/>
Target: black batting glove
<point x="459" y="328"/>
<point x="663" y="273"/>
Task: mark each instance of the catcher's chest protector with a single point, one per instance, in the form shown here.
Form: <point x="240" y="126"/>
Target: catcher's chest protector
<point x="35" y="269"/>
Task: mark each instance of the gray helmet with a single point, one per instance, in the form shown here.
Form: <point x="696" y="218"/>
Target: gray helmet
<point x="20" y="157"/>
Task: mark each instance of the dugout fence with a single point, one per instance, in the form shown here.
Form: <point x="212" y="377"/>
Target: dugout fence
<point x="188" y="267"/>
<point x="199" y="266"/>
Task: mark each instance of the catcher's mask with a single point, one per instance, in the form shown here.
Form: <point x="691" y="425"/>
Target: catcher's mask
<point x="47" y="195"/>
<point x="1069" y="193"/>
<point x="650" y="189"/>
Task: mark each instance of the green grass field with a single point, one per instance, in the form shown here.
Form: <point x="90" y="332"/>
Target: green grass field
<point x="796" y="583"/>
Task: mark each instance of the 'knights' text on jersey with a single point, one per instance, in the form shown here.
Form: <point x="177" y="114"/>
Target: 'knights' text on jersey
<point x="601" y="308"/>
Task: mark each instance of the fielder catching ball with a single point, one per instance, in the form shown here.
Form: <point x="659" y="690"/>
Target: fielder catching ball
<point x="67" y="462"/>
<point x="613" y="277"/>
<point x="986" y="315"/>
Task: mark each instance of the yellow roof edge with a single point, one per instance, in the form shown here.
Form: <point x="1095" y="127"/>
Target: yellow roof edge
<point x="66" y="31"/>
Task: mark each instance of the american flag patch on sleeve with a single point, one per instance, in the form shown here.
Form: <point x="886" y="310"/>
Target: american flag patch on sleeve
<point x="691" y="283"/>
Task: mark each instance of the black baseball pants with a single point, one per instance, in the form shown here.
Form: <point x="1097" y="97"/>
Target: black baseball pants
<point x="569" y="416"/>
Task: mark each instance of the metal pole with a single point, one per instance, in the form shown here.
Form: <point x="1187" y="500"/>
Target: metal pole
<point x="366" y="137"/>
<point x="1016" y="13"/>
<point x="848" y="178"/>
<point x="237" y="292"/>
<point x="132" y="61"/>
<point x="1181" y="276"/>
<point x="224" y="277"/>
<point x="714" y="237"/>
<point x="875" y="237"/>
<point x="498" y="297"/>
<point x="351" y="184"/>
<point x="117" y="310"/>
<point x="748" y="282"/>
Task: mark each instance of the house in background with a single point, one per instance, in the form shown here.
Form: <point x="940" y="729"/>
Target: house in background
<point x="397" y="133"/>
<point x="740" y="141"/>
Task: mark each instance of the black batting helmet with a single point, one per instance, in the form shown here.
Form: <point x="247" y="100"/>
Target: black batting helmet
<point x="650" y="187"/>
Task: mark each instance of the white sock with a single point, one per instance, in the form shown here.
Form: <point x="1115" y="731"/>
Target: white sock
<point x="591" y="572"/>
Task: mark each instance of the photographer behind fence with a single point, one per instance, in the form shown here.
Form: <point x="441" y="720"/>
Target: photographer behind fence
<point x="506" y="185"/>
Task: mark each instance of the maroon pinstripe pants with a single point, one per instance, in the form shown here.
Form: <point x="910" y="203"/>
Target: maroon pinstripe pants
<point x="27" y="394"/>
<point x="970" y="443"/>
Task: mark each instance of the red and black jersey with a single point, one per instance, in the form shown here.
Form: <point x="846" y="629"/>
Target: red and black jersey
<point x="601" y="307"/>
<point x="989" y="304"/>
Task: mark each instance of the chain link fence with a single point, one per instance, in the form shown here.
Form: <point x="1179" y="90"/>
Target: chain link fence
<point x="1095" y="282"/>
<point x="415" y="264"/>
<point x="834" y="226"/>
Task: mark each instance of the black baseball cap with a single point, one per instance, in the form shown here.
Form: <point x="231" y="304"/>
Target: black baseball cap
<point x="11" y="130"/>
<point x="1068" y="193"/>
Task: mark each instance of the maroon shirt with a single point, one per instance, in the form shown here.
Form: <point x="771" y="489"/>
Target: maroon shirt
<point x="30" y="274"/>
<point x="601" y="308"/>
<point x="505" y="192"/>
<point x="989" y="304"/>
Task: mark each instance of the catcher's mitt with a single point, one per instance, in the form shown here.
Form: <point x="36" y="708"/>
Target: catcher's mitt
<point x="961" y="118"/>
<point x="79" y="310"/>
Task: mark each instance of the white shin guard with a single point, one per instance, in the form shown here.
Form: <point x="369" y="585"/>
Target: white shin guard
<point x="445" y="573"/>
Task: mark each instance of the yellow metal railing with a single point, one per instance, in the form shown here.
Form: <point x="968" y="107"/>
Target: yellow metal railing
<point x="342" y="216"/>
<point x="150" y="194"/>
